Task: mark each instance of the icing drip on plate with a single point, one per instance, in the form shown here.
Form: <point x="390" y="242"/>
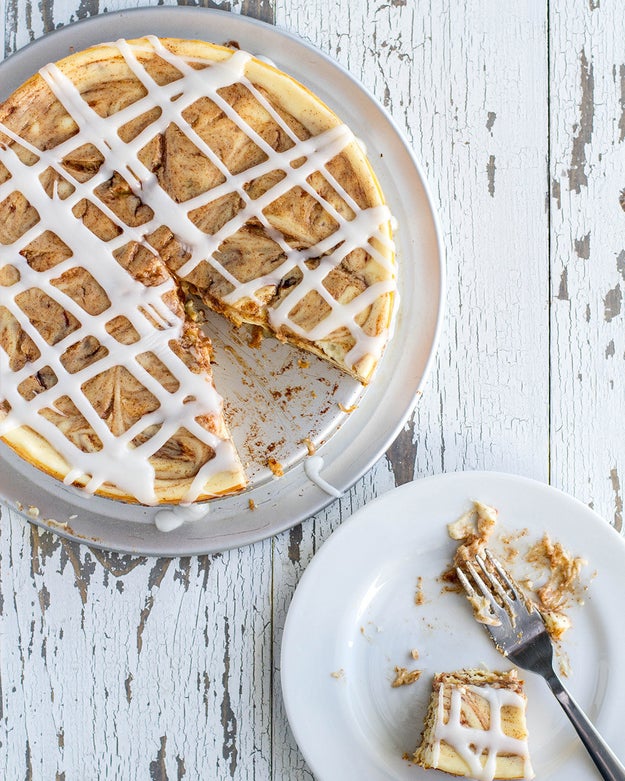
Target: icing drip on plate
<point x="170" y="518"/>
<point x="120" y="461"/>
<point x="313" y="466"/>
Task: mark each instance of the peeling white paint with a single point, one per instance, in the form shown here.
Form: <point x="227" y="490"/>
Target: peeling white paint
<point x="152" y="669"/>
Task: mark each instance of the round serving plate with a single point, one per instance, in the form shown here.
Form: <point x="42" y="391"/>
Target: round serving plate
<point x="276" y="404"/>
<point x="353" y="619"/>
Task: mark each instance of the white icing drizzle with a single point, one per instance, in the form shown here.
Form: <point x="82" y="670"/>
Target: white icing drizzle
<point x="118" y="462"/>
<point x="471" y="743"/>
<point x="171" y="518"/>
<point x="312" y="466"/>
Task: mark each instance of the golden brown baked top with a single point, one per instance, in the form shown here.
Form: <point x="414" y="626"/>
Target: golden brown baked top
<point x="137" y="173"/>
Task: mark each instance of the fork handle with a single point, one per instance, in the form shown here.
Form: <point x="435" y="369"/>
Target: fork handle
<point x="601" y="754"/>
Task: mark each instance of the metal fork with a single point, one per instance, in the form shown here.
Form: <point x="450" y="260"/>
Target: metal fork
<point x="521" y="635"/>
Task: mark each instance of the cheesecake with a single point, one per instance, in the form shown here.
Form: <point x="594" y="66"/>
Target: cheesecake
<point x="137" y="177"/>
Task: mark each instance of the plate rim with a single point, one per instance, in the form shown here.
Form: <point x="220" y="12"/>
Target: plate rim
<point x="288" y="653"/>
<point x="166" y="544"/>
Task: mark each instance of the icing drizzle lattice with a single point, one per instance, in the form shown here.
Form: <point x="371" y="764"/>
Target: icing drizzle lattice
<point x="118" y="461"/>
<point x="471" y="743"/>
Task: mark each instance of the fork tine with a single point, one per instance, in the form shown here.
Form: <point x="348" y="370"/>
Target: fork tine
<point x="477" y="579"/>
<point x="496" y="609"/>
<point x="465" y="582"/>
<point x="498" y="613"/>
<point x="508" y="581"/>
<point x="494" y="581"/>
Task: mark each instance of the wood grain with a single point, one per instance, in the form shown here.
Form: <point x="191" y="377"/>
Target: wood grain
<point x="127" y="667"/>
<point x="587" y="153"/>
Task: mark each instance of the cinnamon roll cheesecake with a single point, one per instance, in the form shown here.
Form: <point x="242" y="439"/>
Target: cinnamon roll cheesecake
<point x="134" y="176"/>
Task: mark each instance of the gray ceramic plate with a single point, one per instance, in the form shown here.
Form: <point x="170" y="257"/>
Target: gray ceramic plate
<point x="279" y="404"/>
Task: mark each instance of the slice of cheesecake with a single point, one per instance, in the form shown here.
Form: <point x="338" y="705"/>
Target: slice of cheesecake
<point x="475" y="726"/>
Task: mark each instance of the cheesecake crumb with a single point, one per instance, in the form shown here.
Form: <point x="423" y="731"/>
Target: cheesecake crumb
<point x="419" y="597"/>
<point x="563" y="583"/>
<point x="275" y="466"/>
<point x="337" y="674"/>
<point x="404" y="677"/>
<point x="310" y="446"/>
<point x="561" y="570"/>
<point x="256" y="337"/>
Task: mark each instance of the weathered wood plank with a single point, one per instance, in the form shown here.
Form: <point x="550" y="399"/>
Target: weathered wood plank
<point x="293" y="550"/>
<point x="121" y="667"/>
<point x="23" y="21"/>
<point x="155" y="669"/>
<point x="588" y="253"/>
<point x="462" y="84"/>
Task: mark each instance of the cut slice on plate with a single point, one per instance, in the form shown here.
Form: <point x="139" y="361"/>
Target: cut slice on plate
<point x="475" y="726"/>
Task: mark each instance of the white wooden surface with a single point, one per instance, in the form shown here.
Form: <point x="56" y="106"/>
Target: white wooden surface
<point x="121" y="667"/>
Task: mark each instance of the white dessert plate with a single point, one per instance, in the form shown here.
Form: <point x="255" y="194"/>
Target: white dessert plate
<point x="273" y="404"/>
<point x="353" y="618"/>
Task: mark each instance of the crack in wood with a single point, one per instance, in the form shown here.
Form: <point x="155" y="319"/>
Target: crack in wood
<point x="225" y="5"/>
<point x="610" y="350"/>
<point x="203" y="682"/>
<point x="259" y="9"/>
<point x="563" y="289"/>
<point x="87" y="8"/>
<point x="204" y="566"/>
<point x="228" y="718"/>
<point x="295" y="539"/>
<point x="29" y="762"/>
<point x="556" y="192"/>
<point x="618" y="500"/>
<point x="118" y="564"/>
<point x="582" y="247"/>
<point x="83" y="570"/>
<point x="402" y="455"/>
<point x="155" y="578"/>
<point x="490" y="172"/>
<point x="43" y="545"/>
<point x="44" y="598"/>
<point x="158" y="572"/>
<point x="143" y="617"/>
<point x="621" y="122"/>
<point x="577" y="172"/>
<point x="127" y="687"/>
<point x="612" y="303"/>
<point x="183" y="572"/>
<point x="158" y="768"/>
